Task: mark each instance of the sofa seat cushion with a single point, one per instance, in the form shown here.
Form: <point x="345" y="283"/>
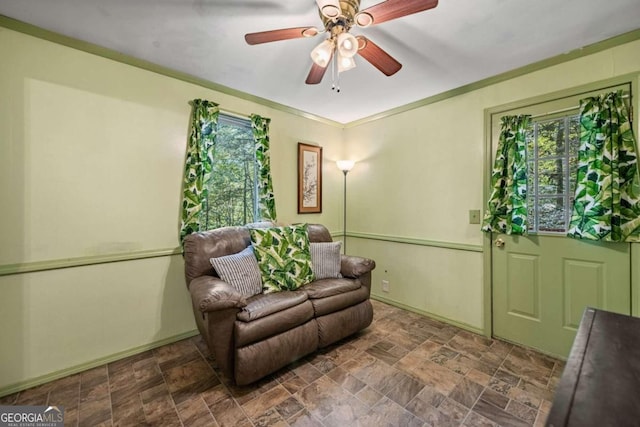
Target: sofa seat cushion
<point x="261" y="305"/>
<point x="330" y="287"/>
<point x="246" y="333"/>
<point x="328" y="305"/>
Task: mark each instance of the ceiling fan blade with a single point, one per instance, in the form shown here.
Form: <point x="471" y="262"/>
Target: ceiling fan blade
<point x="316" y="74"/>
<point x="377" y="57"/>
<point x="392" y="9"/>
<point x="283" y="34"/>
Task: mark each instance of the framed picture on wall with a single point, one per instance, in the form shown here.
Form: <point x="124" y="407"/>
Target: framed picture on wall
<point x="309" y="178"/>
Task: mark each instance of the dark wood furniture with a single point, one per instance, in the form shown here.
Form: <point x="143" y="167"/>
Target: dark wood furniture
<point x="600" y="385"/>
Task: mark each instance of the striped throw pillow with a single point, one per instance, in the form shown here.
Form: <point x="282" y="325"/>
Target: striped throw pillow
<point x="325" y="259"/>
<point x="240" y="271"/>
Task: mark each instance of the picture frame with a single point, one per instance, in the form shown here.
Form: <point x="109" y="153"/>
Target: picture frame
<point x="309" y="178"/>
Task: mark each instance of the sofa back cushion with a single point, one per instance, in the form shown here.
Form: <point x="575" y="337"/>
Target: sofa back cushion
<point x="284" y="257"/>
<point x="241" y="271"/>
<point x="200" y="247"/>
<point x="325" y="258"/>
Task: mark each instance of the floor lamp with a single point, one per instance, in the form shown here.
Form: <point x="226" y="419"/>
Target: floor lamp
<point x="345" y="166"/>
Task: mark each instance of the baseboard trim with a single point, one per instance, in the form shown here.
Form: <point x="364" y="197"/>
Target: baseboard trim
<point x="23" y="385"/>
<point x="460" y="325"/>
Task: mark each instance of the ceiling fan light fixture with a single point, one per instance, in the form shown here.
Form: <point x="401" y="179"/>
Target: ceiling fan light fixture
<point x="345" y="63"/>
<point x="321" y="54"/>
<point x="347" y="45"/>
<point x="363" y="19"/>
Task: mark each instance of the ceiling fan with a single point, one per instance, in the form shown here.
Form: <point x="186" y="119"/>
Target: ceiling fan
<point x="338" y="17"/>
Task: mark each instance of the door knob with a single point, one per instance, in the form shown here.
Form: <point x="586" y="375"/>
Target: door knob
<point x="499" y="243"/>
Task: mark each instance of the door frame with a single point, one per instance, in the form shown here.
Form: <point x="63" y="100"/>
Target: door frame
<point x="633" y="79"/>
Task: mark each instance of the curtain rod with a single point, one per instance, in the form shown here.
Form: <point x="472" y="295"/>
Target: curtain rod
<point x="229" y="112"/>
<point x="564" y="110"/>
<point x="235" y="114"/>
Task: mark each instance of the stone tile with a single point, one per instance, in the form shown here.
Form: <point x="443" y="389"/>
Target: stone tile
<point x="454" y="410"/>
<point x="345" y="412"/>
<point x="405" y="390"/>
<point x="271" y="418"/>
<point x="431" y="374"/>
<point x="369" y="396"/>
<point x="94" y="383"/>
<point x="346" y="380"/>
<point x="9" y="400"/>
<point x="322" y="363"/>
<point x="497" y="415"/>
<point x="507" y="377"/>
<point x="499" y="386"/>
<point x="382" y="352"/>
<point x="466" y="392"/>
<point x="295" y="384"/>
<point x="431" y="396"/>
<point x="195" y="413"/>
<point x="126" y="412"/>
<point x="478" y="377"/>
<point x="388" y="413"/>
<point x="442" y="355"/>
<point x="307" y="372"/>
<point x="228" y="413"/>
<point x="494" y="398"/>
<point x="431" y="415"/>
<point x="406" y="369"/>
<point x="522" y="411"/>
<point x="265" y="401"/>
<point x="289" y="407"/>
<point x="525" y="397"/>
<point x="94" y="412"/>
<point x="304" y="419"/>
<point x="476" y="420"/>
<point x="319" y="397"/>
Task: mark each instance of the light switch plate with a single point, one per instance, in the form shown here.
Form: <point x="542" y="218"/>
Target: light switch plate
<point x="474" y="216"/>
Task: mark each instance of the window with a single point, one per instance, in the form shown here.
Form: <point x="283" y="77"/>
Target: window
<point x="552" y="160"/>
<point x="553" y="141"/>
<point x="232" y="198"/>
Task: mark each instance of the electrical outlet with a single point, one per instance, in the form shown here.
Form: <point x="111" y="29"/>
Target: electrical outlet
<point x="474" y="216"/>
<point x="385" y="286"/>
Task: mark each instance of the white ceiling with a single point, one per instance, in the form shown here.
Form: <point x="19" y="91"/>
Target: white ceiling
<point x="458" y="42"/>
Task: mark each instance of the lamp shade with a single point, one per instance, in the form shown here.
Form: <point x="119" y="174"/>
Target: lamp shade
<point x="347" y="45"/>
<point x="345" y="165"/>
<point x="322" y="53"/>
<point x="345" y="63"/>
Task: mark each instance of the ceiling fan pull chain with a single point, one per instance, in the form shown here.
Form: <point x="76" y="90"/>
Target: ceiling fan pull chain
<point x="335" y="76"/>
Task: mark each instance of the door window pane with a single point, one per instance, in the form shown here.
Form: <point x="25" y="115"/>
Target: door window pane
<point x="552" y="168"/>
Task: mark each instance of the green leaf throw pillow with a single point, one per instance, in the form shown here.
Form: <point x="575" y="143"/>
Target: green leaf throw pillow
<point x="284" y="257"/>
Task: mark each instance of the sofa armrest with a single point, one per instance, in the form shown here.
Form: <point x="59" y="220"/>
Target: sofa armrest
<point x="213" y="294"/>
<point x="355" y="266"/>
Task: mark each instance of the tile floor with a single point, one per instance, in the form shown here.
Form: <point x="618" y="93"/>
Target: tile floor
<point x="404" y="370"/>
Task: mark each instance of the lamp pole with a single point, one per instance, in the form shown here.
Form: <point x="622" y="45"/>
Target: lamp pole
<point x="344" y="213"/>
<point x="345" y="166"/>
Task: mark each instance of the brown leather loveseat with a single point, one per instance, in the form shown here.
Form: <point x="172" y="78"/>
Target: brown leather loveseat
<point x="255" y="336"/>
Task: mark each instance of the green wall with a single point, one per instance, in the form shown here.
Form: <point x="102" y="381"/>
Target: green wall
<point x="91" y="153"/>
<point x="91" y="158"/>
<point x="420" y="171"/>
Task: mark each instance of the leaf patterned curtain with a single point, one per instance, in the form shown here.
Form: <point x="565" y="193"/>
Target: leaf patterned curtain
<point x="607" y="201"/>
<point x="507" y="207"/>
<point x="197" y="170"/>
<point x="266" y="199"/>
